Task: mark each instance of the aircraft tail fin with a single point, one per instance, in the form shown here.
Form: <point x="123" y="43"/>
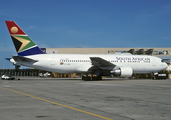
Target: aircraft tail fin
<point x="23" y="44"/>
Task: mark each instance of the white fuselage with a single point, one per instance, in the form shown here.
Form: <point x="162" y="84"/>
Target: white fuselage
<point x="80" y="63"/>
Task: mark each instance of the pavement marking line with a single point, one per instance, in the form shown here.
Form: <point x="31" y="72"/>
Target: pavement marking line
<point x="57" y="104"/>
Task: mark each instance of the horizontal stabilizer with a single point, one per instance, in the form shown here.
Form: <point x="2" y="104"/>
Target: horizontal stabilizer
<point x="8" y="59"/>
<point x="23" y="59"/>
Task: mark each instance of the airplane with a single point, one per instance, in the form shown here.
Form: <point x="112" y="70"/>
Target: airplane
<point x="92" y="66"/>
<point x="140" y="52"/>
<point x="132" y="51"/>
<point x="149" y="51"/>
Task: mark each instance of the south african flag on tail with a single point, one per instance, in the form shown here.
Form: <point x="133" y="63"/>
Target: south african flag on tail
<point x="23" y="44"/>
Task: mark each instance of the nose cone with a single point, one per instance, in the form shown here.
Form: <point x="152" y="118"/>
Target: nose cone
<point x="165" y="65"/>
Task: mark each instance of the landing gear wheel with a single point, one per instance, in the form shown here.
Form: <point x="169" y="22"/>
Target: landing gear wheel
<point x="86" y="78"/>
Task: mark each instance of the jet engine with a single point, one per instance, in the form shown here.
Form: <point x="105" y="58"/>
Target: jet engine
<point x="122" y="72"/>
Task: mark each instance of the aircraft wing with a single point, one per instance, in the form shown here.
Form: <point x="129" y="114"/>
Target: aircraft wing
<point x="101" y="63"/>
<point x="23" y="59"/>
<point x="166" y="59"/>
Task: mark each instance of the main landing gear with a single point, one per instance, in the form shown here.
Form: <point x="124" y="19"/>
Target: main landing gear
<point x="91" y="77"/>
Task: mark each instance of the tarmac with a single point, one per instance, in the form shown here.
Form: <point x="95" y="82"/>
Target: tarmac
<point x="74" y="99"/>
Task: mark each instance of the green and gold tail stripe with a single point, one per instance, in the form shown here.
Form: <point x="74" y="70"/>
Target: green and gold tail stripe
<point x="22" y="42"/>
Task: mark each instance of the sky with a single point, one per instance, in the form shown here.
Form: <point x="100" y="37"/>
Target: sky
<point x="87" y="23"/>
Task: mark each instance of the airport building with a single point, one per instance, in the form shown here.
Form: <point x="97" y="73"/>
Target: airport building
<point x="140" y="51"/>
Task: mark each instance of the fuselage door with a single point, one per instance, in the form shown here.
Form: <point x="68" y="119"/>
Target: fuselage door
<point x="154" y="63"/>
<point x="52" y="62"/>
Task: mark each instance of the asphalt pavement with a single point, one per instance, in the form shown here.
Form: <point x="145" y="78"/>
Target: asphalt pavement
<point x="74" y="99"/>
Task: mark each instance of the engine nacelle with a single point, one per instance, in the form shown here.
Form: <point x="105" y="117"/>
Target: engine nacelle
<point x="123" y="72"/>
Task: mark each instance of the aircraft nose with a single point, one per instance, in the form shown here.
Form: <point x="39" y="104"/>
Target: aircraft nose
<point x="165" y="65"/>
